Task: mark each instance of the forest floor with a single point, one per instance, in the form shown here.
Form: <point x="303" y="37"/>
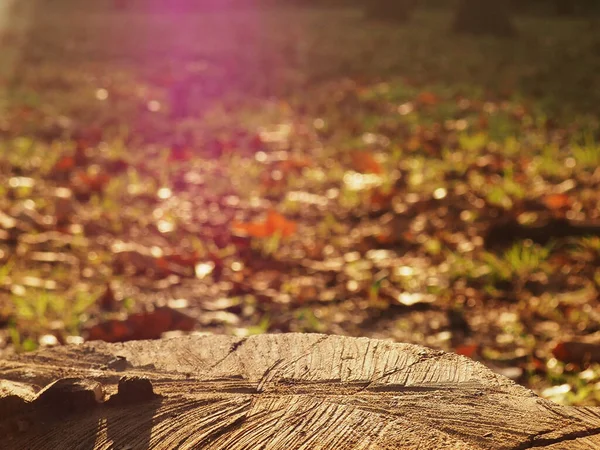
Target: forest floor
<point x="304" y="170"/>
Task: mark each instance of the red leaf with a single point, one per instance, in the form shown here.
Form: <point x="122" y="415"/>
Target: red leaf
<point x="147" y="325"/>
<point x="64" y="164"/>
<point x="468" y="350"/>
<point x="577" y="352"/>
<point x="150" y="325"/>
<point x="110" y="331"/>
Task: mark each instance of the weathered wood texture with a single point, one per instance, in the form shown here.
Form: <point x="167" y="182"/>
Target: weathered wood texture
<point x="290" y="391"/>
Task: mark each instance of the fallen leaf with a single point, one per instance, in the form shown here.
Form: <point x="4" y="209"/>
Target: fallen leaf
<point x="273" y="224"/>
<point x="254" y="229"/>
<point x="468" y="350"/>
<point x="92" y="182"/>
<point x="380" y="199"/>
<point x="364" y="162"/>
<point x="577" y="352"/>
<point x="147" y="325"/>
<point x="65" y="164"/>
<point x="556" y="201"/>
<point x="428" y="98"/>
<point x="110" y="331"/>
<point x="278" y="223"/>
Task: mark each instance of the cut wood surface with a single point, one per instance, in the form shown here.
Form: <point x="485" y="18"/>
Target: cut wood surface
<point x="288" y="391"/>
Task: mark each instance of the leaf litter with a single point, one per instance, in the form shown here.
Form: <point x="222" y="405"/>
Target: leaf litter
<point x="390" y="210"/>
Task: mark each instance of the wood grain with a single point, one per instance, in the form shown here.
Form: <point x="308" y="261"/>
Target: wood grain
<point x="271" y="392"/>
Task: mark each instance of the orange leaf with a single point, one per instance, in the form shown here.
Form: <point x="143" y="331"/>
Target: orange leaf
<point x="277" y="223"/>
<point x="364" y="162"/>
<point x="273" y="224"/>
<point x="556" y="201"/>
<point x="254" y="229"/>
<point x="427" y="98"/>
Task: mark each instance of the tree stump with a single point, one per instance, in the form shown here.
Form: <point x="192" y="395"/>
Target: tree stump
<point x="289" y="391"/>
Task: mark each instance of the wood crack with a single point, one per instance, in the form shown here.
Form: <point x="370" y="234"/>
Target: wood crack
<point x="537" y="442"/>
<point x="234" y="347"/>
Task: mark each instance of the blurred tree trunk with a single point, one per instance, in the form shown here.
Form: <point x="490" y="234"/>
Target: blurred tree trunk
<point x="394" y="10"/>
<point x="484" y="17"/>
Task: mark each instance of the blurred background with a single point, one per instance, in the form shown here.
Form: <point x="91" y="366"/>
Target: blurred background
<point x="421" y="171"/>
